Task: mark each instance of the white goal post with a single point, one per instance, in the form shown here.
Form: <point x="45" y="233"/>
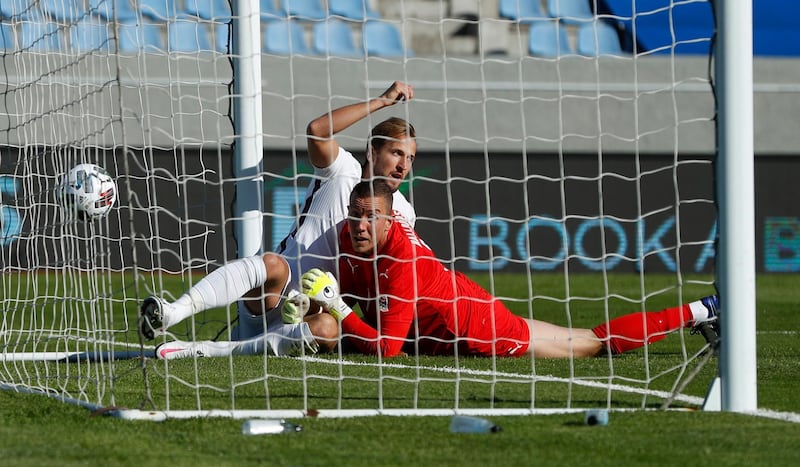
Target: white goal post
<point x="573" y="182"/>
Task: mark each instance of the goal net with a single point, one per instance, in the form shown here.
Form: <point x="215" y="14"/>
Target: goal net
<point x="564" y="162"/>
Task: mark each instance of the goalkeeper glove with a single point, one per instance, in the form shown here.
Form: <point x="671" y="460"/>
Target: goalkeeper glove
<point x="295" y="307"/>
<point x="322" y="288"/>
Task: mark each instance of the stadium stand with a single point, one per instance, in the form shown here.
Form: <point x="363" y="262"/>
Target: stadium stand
<point x="548" y="38"/>
<point x="691" y="22"/>
<point x="334" y="37"/>
<point x="269" y="11"/>
<point x="307" y="10"/>
<point x="285" y="37"/>
<point x="221" y="32"/>
<point x="89" y="35"/>
<point x="187" y="36"/>
<point x="522" y="11"/>
<point x="158" y="10"/>
<point x="598" y="38"/>
<point x="383" y="39"/>
<point x="144" y="37"/>
<point x="8" y="40"/>
<point x="65" y="11"/>
<point x="211" y="10"/>
<point x="107" y="8"/>
<point x="776" y="25"/>
<point x="40" y="35"/>
<point x="356" y="10"/>
<point x="10" y="9"/>
<point x="570" y="11"/>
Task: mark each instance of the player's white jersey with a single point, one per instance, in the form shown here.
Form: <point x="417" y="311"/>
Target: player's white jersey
<point x="313" y="238"/>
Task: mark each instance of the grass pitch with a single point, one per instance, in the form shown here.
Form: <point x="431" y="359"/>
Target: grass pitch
<point x="37" y="430"/>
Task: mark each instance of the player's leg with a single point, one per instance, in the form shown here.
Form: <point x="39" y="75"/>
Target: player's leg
<point x="293" y="343"/>
<point x="267" y="295"/>
<point x="634" y="330"/>
<point x="549" y="340"/>
<point x="221" y="287"/>
<point x="325" y="329"/>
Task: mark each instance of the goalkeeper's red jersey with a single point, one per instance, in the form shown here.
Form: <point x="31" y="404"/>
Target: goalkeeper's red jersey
<point x="412" y="303"/>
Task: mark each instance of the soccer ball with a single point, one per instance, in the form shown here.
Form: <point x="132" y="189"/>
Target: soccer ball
<point x="88" y="191"/>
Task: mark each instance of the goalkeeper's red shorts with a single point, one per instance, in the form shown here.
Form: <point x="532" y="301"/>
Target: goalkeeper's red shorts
<point x="485" y="327"/>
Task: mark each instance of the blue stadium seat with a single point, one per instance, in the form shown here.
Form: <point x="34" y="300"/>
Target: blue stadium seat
<point x="356" y="10"/>
<point x="523" y="11"/>
<point x="334" y="37"/>
<point x="776" y="34"/>
<point x="692" y="23"/>
<point x="11" y="9"/>
<point x="107" y="8"/>
<point x="570" y="11"/>
<point x="186" y="35"/>
<point x="269" y="11"/>
<point x="216" y="10"/>
<point x="548" y="39"/>
<point x="135" y="38"/>
<point x="383" y="39"/>
<point x="158" y="10"/>
<point x="41" y="35"/>
<point x="8" y="40"/>
<point x="309" y="10"/>
<point x="221" y="32"/>
<point x="598" y="38"/>
<point x="90" y="34"/>
<point x="66" y="11"/>
<point x="285" y="37"/>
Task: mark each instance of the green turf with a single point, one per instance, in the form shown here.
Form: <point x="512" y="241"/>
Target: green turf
<point x="37" y="430"/>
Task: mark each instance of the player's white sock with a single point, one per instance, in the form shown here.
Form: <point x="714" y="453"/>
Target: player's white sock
<point x="281" y="340"/>
<point x="222" y="287"/>
<point x="700" y="313"/>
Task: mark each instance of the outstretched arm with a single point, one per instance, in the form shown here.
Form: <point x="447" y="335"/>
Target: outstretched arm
<point x="322" y="147"/>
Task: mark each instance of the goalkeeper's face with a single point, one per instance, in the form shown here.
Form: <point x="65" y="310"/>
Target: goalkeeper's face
<point x="369" y="220"/>
<point x="392" y="159"/>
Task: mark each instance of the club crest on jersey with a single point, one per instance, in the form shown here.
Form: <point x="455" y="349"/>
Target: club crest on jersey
<point x="383" y="304"/>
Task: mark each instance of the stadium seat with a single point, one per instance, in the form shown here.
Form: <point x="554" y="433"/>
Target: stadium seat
<point x="356" y="10"/>
<point x="269" y="11"/>
<point x="107" y="8"/>
<point x="40" y="35"/>
<point x="309" y="10"/>
<point x="692" y="24"/>
<point x="334" y="37"/>
<point x="598" y="38"/>
<point x="548" y="39"/>
<point x="88" y="35"/>
<point x="65" y="11"/>
<point x="285" y="37"/>
<point x="8" y="40"/>
<point x="523" y="11"/>
<point x="221" y="32"/>
<point x="570" y="11"/>
<point x="383" y="39"/>
<point x="135" y="38"/>
<point x="158" y="10"/>
<point x="10" y="9"/>
<point x="185" y="35"/>
<point x="216" y="10"/>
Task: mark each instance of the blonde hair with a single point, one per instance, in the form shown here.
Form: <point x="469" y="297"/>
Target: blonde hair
<point x="390" y="129"/>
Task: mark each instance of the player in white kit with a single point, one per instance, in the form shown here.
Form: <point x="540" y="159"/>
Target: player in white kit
<point x="265" y="281"/>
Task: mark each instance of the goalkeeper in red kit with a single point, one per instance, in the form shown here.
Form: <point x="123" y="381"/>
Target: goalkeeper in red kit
<point x="412" y="304"/>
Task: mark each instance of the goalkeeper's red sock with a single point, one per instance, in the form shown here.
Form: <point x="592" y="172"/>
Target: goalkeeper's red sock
<point x="631" y="331"/>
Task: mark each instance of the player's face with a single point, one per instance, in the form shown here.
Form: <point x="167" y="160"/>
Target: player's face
<point x="394" y="160"/>
<point x="369" y="220"/>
